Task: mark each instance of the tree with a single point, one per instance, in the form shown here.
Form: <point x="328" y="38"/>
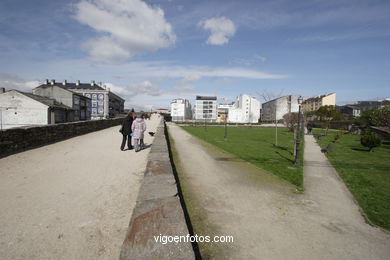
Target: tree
<point x="379" y="117"/>
<point x="291" y="121"/>
<point x="368" y="118"/>
<point x="328" y="113"/>
<point x="384" y="116"/>
<point x="370" y="140"/>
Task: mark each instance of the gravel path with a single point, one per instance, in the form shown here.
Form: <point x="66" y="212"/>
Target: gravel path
<point x="268" y="220"/>
<point x="70" y="200"/>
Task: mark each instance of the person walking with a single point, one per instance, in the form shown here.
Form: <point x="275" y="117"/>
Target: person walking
<point x="138" y="127"/>
<point x="126" y="131"/>
<point x="309" y="128"/>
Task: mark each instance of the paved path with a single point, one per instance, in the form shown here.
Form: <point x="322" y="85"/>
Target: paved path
<point x="269" y="221"/>
<point x="70" y="200"/>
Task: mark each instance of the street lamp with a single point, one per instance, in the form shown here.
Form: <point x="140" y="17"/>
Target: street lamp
<point x="299" y="134"/>
<point x="225" y="127"/>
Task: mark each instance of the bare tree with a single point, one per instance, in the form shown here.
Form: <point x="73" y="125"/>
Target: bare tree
<point x="291" y="121"/>
<point x="268" y="96"/>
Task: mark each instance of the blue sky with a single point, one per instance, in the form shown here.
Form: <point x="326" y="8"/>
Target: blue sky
<point x="151" y="52"/>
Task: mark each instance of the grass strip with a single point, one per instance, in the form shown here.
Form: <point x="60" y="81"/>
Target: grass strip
<point x="257" y="146"/>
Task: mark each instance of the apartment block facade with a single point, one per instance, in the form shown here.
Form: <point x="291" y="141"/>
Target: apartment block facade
<point x="206" y="108"/>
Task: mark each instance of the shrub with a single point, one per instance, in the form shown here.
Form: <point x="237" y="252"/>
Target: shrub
<point x="370" y="140"/>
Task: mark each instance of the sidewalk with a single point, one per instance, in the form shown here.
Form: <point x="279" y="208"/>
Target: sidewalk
<point x="324" y="186"/>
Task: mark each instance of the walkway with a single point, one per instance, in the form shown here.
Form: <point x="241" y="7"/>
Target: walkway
<point x="268" y="220"/>
<point x="70" y="200"/>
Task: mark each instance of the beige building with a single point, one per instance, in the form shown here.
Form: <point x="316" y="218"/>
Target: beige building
<point x="314" y="103"/>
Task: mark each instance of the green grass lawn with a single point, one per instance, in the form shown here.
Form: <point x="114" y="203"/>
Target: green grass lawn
<point x="256" y="145"/>
<point x="366" y="174"/>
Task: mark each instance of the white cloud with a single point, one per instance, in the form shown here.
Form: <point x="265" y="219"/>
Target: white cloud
<point x="221" y="29"/>
<point x="145" y="69"/>
<point x="224" y="80"/>
<point x="184" y="83"/>
<point x="128" y="28"/>
<point x="9" y="82"/>
<point x="142" y="88"/>
<point x="242" y="62"/>
<point x="191" y="78"/>
<point x="261" y="58"/>
<point x="184" y="88"/>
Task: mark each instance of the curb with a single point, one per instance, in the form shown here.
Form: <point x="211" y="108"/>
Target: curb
<point x="157" y="211"/>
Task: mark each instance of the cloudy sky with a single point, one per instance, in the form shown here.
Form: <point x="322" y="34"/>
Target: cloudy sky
<point x="153" y="51"/>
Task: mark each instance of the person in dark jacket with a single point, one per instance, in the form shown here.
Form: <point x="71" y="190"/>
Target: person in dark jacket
<point x="126" y="131"/>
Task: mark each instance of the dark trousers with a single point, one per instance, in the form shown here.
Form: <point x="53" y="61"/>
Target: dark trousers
<point x="128" y="137"/>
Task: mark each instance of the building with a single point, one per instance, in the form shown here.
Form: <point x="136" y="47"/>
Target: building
<point x="314" y="103"/>
<point x="181" y="110"/>
<point x="355" y="110"/>
<point x="162" y="111"/>
<point x="19" y="109"/>
<point x="275" y="109"/>
<point x="206" y="108"/>
<point x="246" y="109"/>
<point x="104" y="103"/>
<point x="349" y="111"/>
<point x="371" y="105"/>
<point x="223" y="111"/>
<point x="79" y="103"/>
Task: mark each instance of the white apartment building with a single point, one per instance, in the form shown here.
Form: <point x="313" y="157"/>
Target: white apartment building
<point x="275" y="109"/>
<point x="181" y="110"/>
<point x="206" y="108"/>
<point x="246" y="109"/>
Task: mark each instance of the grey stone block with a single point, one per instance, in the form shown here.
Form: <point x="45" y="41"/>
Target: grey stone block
<point x="155" y="187"/>
<point x="151" y="219"/>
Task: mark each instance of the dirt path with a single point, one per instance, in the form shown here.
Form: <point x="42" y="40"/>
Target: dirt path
<point x="70" y="200"/>
<point x="269" y="221"/>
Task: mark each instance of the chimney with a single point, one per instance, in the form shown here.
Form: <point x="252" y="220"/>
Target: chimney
<point x="64" y="82"/>
<point x="92" y="83"/>
<point x="46" y="82"/>
<point x="2" y="90"/>
<point x="77" y="82"/>
<point x="52" y="82"/>
<point x="100" y="83"/>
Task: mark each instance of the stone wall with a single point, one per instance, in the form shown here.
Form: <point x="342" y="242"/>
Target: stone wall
<point x="18" y="139"/>
<point x="383" y="132"/>
<point x="158" y="211"/>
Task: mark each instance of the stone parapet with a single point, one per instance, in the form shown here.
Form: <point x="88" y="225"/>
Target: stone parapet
<point x="158" y="211"/>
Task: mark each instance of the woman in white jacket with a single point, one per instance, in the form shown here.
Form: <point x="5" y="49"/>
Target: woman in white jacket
<point x="138" y="128"/>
